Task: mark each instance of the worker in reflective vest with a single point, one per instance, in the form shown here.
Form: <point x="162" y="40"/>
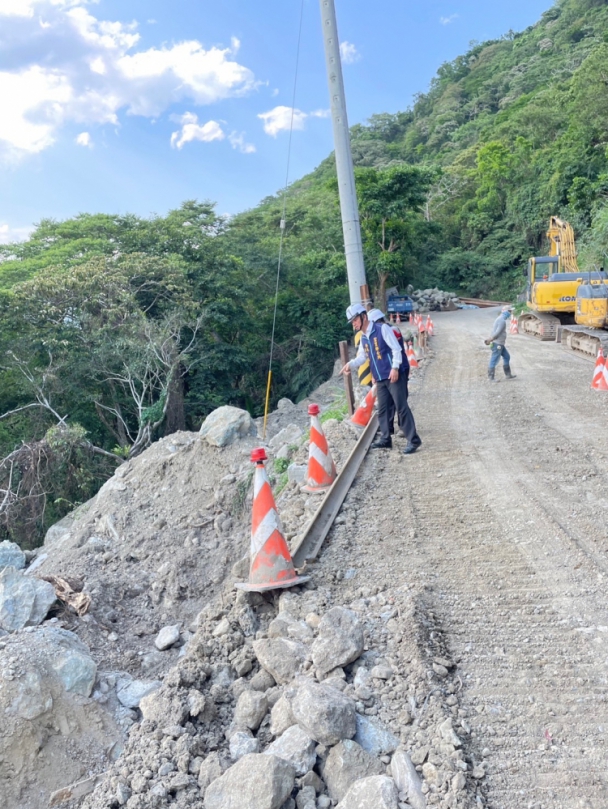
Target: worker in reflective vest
<point x="390" y="369"/>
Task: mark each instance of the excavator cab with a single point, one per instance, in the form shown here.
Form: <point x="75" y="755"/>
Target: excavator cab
<point x="592" y="302"/>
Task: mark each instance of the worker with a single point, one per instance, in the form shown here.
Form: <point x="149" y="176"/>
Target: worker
<point x="497" y="340"/>
<point x="389" y="369"/>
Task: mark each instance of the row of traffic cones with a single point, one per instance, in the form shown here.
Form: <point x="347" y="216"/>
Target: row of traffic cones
<point x="271" y="566"/>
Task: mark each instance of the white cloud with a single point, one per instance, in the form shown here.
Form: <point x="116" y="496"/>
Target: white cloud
<point x="84" y="139"/>
<point x="69" y="66"/>
<point x="280" y="119"/>
<point x="320" y="114"/>
<point x="191" y="130"/>
<point x="448" y="20"/>
<point x="8" y="235"/>
<point x="349" y="53"/>
<point x="237" y="141"/>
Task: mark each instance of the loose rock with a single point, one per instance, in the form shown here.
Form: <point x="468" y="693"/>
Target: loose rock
<point x="324" y="713"/>
<point x="340" y="640"/>
<point x="348" y="762"/>
<point x="375" y="792"/>
<point x="255" y="782"/>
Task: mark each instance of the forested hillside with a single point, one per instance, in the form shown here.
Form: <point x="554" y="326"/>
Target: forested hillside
<point x="118" y="329"/>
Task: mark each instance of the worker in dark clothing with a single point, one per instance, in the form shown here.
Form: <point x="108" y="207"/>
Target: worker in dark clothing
<point x="497" y="340"/>
<point x="390" y="369"/>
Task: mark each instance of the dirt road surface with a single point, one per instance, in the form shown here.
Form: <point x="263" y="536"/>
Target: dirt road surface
<point x="502" y="516"/>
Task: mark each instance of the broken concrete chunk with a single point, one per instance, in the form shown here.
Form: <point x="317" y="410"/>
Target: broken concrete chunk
<point x="242" y="743"/>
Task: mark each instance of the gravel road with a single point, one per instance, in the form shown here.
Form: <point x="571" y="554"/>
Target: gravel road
<point x="502" y="518"/>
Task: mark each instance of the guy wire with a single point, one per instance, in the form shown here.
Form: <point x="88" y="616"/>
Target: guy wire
<point x="283" y="213"/>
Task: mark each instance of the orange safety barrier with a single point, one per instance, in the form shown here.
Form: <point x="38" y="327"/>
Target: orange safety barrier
<point x="271" y="563"/>
<point x="599" y="381"/>
<point x="363" y="413"/>
<point x="321" y="468"/>
<point x="411" y="356"/>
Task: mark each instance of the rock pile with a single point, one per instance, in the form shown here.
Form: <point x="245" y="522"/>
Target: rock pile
<point x="433" y="300"/>
<point x="291" y="701"/>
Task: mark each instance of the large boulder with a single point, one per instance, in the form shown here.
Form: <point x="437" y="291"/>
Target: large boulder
<point x="11" y="555"/>
<point x="325" y="713"/>
<point x="296" y="747"/>
<point x="288" y="435"/>
<point x="282" y="657"/>
<point x="47" y="677"/>
<point x="24" y="600"/>
<point x="226" y="425"/>
<point x="340" y="640"/>
<point x="348" y="762"/>
<point x="375" y="792"/>
<point x="256" y="781"/>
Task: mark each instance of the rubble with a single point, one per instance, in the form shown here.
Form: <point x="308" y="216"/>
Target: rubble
<point x="24" y="600"/>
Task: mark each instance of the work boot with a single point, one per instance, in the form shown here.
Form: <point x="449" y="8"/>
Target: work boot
<point x="508" y="374"/>
<point x="380" y="444"/>
<point x="491" y="375"/>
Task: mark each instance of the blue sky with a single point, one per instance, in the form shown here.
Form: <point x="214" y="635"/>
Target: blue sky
<point x="135" y="106"/>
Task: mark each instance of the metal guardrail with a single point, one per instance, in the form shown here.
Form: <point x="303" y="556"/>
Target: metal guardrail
<point x="483" y="303"/>
<point x="322" y="520"/>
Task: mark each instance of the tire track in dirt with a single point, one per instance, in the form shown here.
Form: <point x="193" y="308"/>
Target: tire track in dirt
<point x="507" y="533"/>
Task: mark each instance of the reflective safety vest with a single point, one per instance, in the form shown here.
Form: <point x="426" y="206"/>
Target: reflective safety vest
<point x="379" y="354"/>
<point x="363" y="371"/>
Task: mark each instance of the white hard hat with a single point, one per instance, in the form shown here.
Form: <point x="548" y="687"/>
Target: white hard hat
<point x="353" y="310"/>
<point x="375" y="315"/>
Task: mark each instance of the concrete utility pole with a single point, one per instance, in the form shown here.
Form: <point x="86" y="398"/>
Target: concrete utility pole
<point x="353" y="247"/>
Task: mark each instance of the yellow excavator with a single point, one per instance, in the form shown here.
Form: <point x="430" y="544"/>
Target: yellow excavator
<point x="552" y="293"/>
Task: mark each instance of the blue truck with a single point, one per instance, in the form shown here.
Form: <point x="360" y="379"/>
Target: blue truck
<point x="399" y="305"/>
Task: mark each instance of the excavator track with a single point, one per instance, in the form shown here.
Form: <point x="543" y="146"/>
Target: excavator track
<point x="539" y="325"/>
<point x="584" y="341"/>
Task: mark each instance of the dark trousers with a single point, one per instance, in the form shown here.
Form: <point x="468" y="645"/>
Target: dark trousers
<point x="392" y="398"/>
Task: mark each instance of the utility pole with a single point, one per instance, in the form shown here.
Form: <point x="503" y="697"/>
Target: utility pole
<point x="353" y="247"/>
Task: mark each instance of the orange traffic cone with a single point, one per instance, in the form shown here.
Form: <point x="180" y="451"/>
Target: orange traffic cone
<point x="271" y="563"/>
<point x="599" y="373"/>
<point x="321" y="468"/>
<point x="398" y="318"/>
<point x="411" y="357"/>
<point x="513" y="327"/>
<point x="429" y="326"/>
<point x="363" y="413"/>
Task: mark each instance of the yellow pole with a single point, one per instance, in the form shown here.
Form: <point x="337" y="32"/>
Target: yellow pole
<point x="267" y="403"/>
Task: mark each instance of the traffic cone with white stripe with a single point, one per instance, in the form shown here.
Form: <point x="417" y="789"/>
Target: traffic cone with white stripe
<point x="321" y="468"/>
<point x="271" y="563"/>
<point x="411" y="357"/>
<point x="599" y="381"/>
<point x="363" y="413"/>
<point x="513" y="327"/>
<point x="398" y="318"/>
<point x="429" y="326"/>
